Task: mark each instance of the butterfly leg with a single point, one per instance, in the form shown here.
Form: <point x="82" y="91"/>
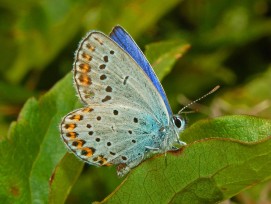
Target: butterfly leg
<point x="182" y="143"/>
<point x="174" y="148"/>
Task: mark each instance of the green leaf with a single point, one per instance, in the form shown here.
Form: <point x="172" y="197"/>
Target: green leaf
<point x="163" y="55"/>
<point x="31" y="153"/>
<point x="42" y="29"/>
<point x="63" y="178"/>
<point x="13" y="94"/>
<point x="207" y="170"/>
<point x="126" y="14"/>
<point x="241" y="128"/>
<point x="252" y="98"/>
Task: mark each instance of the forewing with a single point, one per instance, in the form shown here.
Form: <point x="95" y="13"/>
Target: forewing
<point x="105" y="74"/>
<point x="124" y="40"/>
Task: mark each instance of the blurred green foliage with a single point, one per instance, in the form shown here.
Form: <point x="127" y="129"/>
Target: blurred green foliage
<point x="230" y="45"/>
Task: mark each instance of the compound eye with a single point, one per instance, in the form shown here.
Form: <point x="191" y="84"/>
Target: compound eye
<point x="177" y="122"/>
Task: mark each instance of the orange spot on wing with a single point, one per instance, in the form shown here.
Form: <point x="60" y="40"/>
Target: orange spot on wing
<point x="84" y="68"/>
<point x="90" y="47"/>
<point x="107" y="164"/>
<point x="86" y="56"/>
<point x="87" y="109"/>
<point x="103" y="161"/>
<point x="87" y="151"/>
<point x="84" y="79"/>
<point x="98" y="40"/>
<point x="70" y="126"/>
<point x="76" y="117"/>
<point x="72" y="135"/>
<point x="78" y="143"/>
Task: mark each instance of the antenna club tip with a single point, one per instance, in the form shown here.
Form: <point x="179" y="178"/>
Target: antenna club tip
<point x="216" y="87"/>
<point x="213" y="90"/>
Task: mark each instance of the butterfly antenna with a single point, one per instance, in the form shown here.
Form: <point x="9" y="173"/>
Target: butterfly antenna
<point x="189" y="104"/>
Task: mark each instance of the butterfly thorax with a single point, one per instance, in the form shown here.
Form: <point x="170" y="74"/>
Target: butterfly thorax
<point x="168" y="136"/>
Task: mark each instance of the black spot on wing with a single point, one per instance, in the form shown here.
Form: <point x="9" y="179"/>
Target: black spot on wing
<point x="125" y="80"/>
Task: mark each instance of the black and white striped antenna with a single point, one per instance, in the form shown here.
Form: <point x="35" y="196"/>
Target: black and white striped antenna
<point x="189" y="104"/>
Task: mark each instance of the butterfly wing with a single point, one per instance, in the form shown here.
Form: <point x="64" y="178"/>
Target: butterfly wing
<point x="124" y="112"/>
<point x="110" y="134"/>
<point x="124" y="40"/>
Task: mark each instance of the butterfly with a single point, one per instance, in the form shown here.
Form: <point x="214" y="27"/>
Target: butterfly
<point x="127" y="116"/>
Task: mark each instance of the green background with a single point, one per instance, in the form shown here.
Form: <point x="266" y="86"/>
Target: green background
<point x="193" y="46"/>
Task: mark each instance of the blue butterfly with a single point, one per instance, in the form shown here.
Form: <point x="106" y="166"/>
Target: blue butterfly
<point x="127" y="116"/>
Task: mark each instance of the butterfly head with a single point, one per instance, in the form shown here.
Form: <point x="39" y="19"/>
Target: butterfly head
<point x="179" y="122"/>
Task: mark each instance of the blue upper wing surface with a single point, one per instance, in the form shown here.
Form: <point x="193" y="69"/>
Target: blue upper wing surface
<point x="125" y="41"/>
